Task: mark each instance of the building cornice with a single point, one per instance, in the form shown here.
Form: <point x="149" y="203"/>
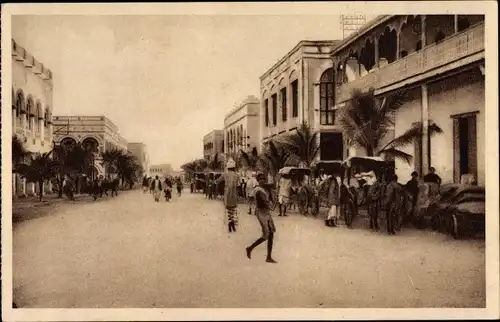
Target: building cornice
<point x="302" y="43"/>
<point x="21" y="55"/>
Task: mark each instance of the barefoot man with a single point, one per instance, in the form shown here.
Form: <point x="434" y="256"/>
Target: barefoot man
<point x="263" y="214"/>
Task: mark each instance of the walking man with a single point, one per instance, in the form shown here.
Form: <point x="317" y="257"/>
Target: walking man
<point x="263" y="214"/>
<point x="156" y="188"/>
<point x="231" y="179"/>
<point x="145" y="184"/>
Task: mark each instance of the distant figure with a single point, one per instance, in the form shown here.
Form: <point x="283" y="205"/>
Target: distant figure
<point x="156" y="188"/>
<point x="251" y="185"/>
<point x="284" y="188"/>
<point x="432" y="177"/>
<point x="168" y="189"/>
<point x="334" y="202"/>
<point x="145" y="184"/>
<point x="179" y="186"/>
<point x="412" y="188"/>
<point x="263" y="213"/>
<point x="231" y="179"/>
<point x="393" y="193"/>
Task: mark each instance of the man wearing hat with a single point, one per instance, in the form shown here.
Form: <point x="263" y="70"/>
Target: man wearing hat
<point x="231" y="180"/>
<point x="263" y="213"/>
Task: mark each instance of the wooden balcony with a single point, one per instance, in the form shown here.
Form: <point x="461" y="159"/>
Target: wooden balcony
<point x="450" y="50"/>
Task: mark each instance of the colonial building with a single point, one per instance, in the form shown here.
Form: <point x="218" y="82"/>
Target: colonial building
<point x="300" y="88"/>
<point x="242" y="126"/>
<point x="96" y="133"/>
<point x="32" y="92"/>
<point x="161" y="170"/>
<point x="213" y="143"/>
<point x="140" y="152"/>
<point x="439" y="60"/>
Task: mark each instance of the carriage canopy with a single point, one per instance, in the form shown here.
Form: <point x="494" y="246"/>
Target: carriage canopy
<point x="333" y="167"/>
<point x="294" y="170"/>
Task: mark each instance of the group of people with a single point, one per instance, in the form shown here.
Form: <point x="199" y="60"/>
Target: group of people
<point x="156" y="186"/>
<point x="259" y="196"/>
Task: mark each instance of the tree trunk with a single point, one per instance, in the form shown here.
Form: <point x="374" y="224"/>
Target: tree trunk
<point x="40" y="186"/>
<point x="370" y="151"/>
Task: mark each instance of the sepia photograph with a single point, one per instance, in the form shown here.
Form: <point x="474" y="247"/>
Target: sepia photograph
<point x="268" y="156"/>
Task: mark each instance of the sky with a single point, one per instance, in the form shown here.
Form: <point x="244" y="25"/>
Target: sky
<point x="163" y="80"/>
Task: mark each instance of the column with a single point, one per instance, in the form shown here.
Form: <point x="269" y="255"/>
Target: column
<point x="397" y="44"/>
<point x="31" y="188"/>
<point x="23" y="187"/>
<point x="41" y="129"/>
<point x="377" y="58"/>
<point x="23" y="123"/>
<point x="425" y="132"/>
<point x="423" y="37"/>
<point x="305" y="86"/>
<point x="14" y="184"/>
<point x="455" y="20"/>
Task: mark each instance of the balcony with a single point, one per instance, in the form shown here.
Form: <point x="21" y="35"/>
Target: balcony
<point x="451" y="49"/>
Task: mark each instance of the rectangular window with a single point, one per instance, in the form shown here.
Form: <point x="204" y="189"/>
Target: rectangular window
<point x="274" y="100"/>
<point x="266" y="106"/>
<point x="283" y="104"/>
<point x="327" y="103"/>
<point x="295" y="98"/>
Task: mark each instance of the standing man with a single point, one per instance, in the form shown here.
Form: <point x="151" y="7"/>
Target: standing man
<point x="263" y="214"/>
<point x="251" y="185"/>
<point x="231" y="179"/>
<point x="393" y="202"/>
<point x="145" y="184"/>
<point x="284" y="194"/>
<point x="432" y="177"/>
<point x="156" y="188"/>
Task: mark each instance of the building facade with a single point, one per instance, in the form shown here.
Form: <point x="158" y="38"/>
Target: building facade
<point x="140" y="152"/>
<point x="213" y="143"/>
<point x="32" y="97"/>
<point x="439" y="61"/>
<point x="300" y="88"/>
<point x="96" y="133"/>
<point x="242" y="127"/>
<point x="161" y="170"/>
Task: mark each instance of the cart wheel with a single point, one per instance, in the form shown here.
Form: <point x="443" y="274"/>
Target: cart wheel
<point x="349" y="215"/>
<point x="455" y="227"/>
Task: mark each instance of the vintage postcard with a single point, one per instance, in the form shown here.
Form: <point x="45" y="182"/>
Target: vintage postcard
<point x="250" y="161"/>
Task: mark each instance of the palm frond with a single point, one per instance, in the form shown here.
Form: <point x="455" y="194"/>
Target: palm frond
<point x="396" y="154"/>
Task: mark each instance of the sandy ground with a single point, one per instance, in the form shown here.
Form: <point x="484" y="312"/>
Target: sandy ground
<point x="131" y="252"/>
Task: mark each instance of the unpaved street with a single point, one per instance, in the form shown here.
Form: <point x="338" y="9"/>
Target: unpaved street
<point x="131" y="252"/>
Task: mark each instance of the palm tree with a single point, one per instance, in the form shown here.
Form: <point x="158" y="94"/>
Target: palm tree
<point x="303" y="144"/>
<point x="251" y="160"/>
<point x="73" y="162"/>
<point x="189" y="168"/>
<point x="216" y="163"/>
<point x="41" y="168"/>
<point x="110" y="160"/>
<point x="19" y="153"/>
<point x="274" y="158"/>
<point x="366" y="120"/>
<point x="200" y="165"/>
<point x="127" y="167"/>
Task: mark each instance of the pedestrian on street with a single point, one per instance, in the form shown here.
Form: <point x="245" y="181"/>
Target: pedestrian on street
<point x="156" y="188"/>
<point x="284" y="187"/>
<point x="251" y="185"/>
<point x="432" y="177"/>
<point x="334" y="202"/>
<point x="263" y="213"/>
<point x="393" y="192"/>
<point x="231" y="179"/>
<point x="168" y="189"/>
<point x="145" y="184"/>
<point x="179" y="186"/>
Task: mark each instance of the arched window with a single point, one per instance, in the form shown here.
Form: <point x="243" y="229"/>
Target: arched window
<point x="38" y="116"/>
<point x="31" y="112"/>
<point x="90" y="144"/>
<point x="327" y="103"/>
<point x="68" y="143"/>
<point x="19" y="103"/>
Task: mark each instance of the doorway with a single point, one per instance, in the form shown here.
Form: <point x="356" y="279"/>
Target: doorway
<point x="331" y="146"/>
<point x="465" y="146"/>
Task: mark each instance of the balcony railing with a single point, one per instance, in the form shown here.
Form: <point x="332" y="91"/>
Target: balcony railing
<point x="453" y="48"/>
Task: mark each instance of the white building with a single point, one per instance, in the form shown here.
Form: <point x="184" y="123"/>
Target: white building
<point x="213" y="143"/>
<point x="32" y="97"/>
<point x="440" y="60"/>
<point x="242" y="127"/>
<point x="300" y="88"/>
